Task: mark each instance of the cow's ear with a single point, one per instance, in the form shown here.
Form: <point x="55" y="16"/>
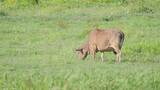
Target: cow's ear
<point x="79" y="49"/>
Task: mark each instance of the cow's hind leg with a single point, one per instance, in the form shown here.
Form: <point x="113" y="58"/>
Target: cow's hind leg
<point x="118" y="56"/>
<point x="117" y="52"/>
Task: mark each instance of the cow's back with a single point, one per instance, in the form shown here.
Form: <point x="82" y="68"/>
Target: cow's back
<point x="103" y="39"/>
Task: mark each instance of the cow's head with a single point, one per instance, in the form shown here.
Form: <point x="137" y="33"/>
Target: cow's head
<point x="82" y="53"/>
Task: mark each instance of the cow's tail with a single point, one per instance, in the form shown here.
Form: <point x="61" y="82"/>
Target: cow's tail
<point x="121" y="39"/>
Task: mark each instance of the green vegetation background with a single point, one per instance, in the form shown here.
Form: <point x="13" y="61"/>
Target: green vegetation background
<point x="38" y="39"/>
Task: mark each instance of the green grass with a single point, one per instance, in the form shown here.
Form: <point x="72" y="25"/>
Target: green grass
<point x="37" y="47"/>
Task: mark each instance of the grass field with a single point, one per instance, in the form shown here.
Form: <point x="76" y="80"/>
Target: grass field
<point x="37" y="46"/>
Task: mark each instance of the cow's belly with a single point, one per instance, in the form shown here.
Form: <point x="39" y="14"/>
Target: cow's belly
<point x="107" y="49"/>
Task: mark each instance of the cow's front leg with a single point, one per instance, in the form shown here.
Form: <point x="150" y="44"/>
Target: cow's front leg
<point x="102" y="58"/>
<point x="93" y="51"/>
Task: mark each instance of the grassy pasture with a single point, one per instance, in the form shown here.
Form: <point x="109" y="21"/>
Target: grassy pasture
<point x="37" y="46"/>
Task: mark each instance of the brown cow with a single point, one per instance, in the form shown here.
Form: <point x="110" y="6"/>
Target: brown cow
<point x="103" y="41"/>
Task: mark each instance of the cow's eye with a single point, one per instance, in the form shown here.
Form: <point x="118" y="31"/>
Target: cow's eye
<point x="82" y="51"/>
